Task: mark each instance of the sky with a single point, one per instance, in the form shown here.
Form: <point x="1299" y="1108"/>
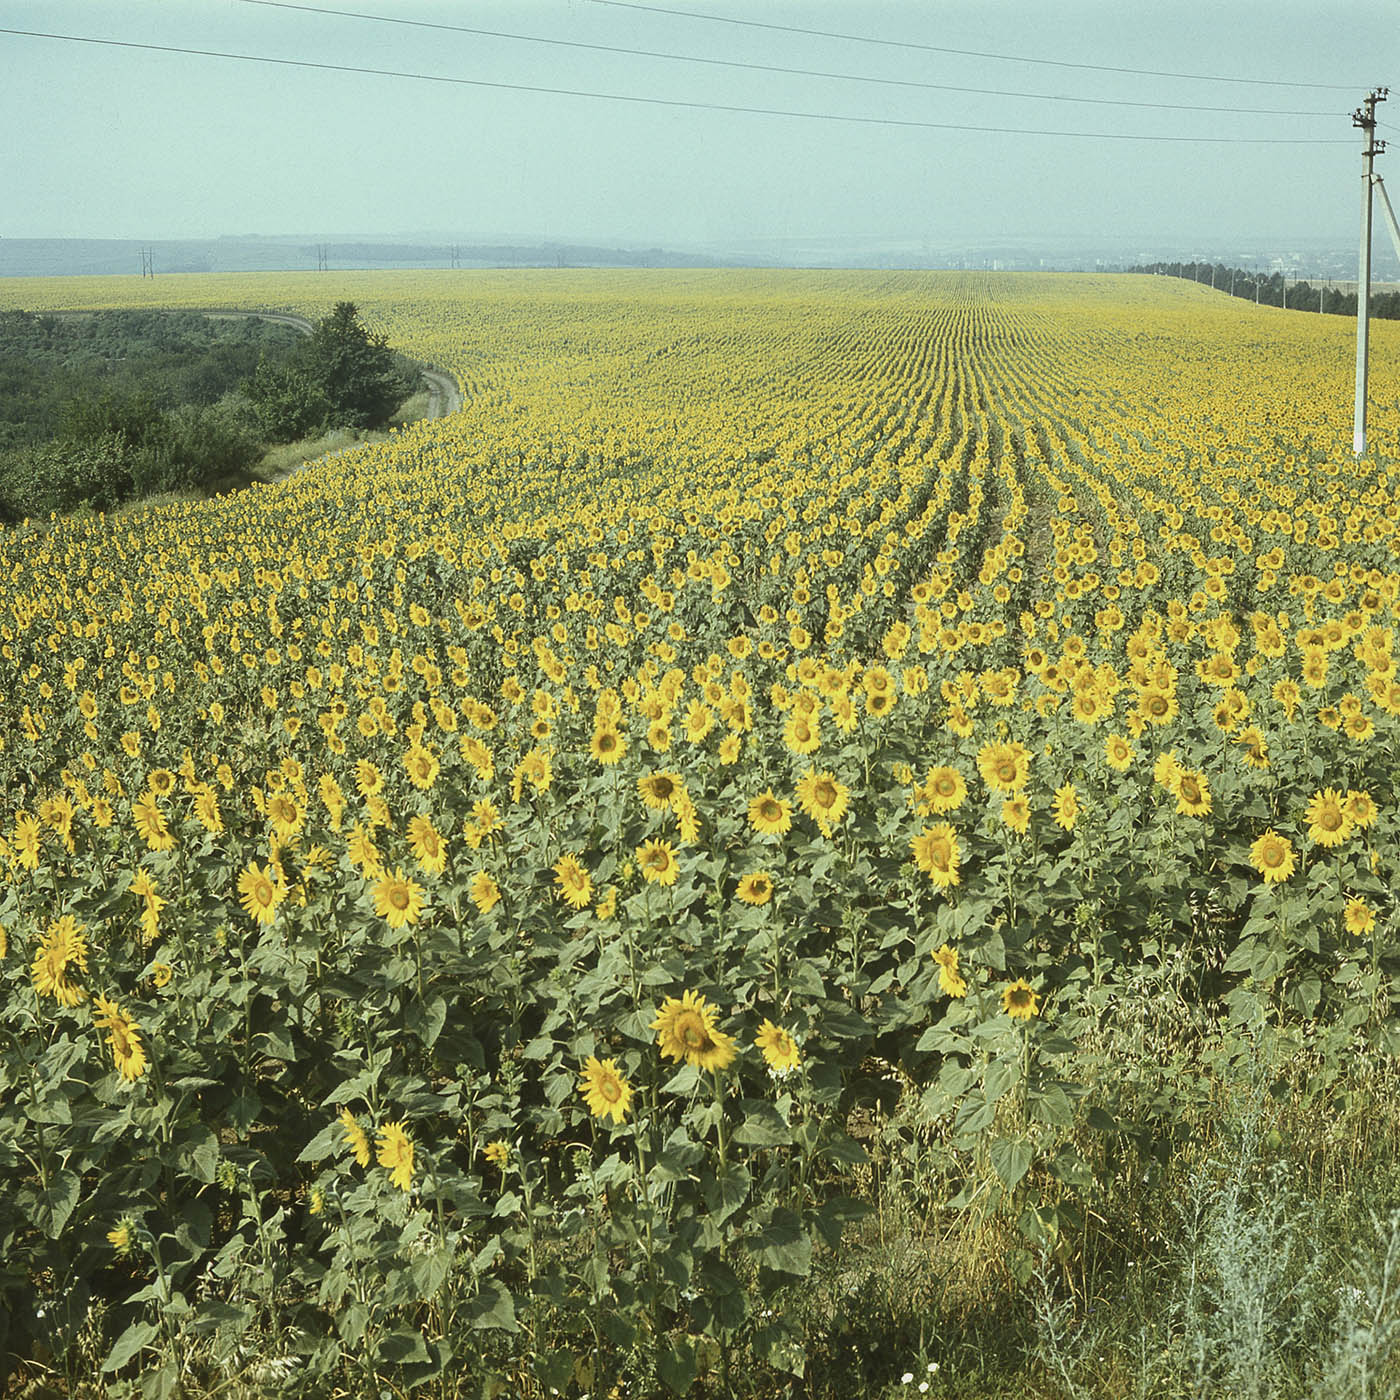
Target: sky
<point x="130" y="143"/>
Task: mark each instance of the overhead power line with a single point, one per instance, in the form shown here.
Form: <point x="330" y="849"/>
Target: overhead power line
<point x="671" y="102"/>
<point x="774" y="68"/>
<point x="970" y="53"/>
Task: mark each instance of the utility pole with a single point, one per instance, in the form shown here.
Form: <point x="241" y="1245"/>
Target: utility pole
<point x="1365" y="118"/>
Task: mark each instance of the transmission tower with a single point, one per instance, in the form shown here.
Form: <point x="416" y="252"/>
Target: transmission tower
<point x="147" y="263"/>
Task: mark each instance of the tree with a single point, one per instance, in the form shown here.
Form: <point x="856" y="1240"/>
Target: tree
<point x="356" y="370"/>
<point x="341" y="376"/>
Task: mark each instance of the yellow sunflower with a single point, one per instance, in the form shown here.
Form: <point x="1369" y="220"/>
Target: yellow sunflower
<point x="123" y="1035"/>
<point x="605" y="1090"/>
<point x="1019" y="1000"/>
<point x="259" y="893"/>
<point x="769" y="814"/>
<point x="950" y="979"/>
<point x="574" y="882"/>
<point x="937" y="854"/>
<point x="685" y="1029"/>
<point x="355" y="1137"/>
<point x="1005" y="767"/>
<point x="1273" y="857"/>
<point x="397" y="900"/>
<point x="428" y="846"/>
<point x="755" y="888"/>
<point x="657" y="861"/>
<point x="1360" y="918"/>
<point x="778" y="1047"/>
<point x="395" y="1154"/>
<point x="1328" y="822"/>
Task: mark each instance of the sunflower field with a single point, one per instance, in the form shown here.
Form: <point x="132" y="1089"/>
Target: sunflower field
<point x="490" y="910"/>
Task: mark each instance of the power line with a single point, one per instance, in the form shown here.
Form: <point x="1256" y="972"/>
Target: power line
<point x="969" y="53"/>
<point x="773" y="68"/>
<point x="674" y="102"/>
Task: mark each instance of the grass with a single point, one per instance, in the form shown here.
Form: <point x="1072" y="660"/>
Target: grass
<point x="282" y="459"/>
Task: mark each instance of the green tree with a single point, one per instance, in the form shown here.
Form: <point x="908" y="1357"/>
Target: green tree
<point x="355" y="369"/>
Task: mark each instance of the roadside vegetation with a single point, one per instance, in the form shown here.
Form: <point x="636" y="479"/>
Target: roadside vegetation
<point x="115" y="406"/>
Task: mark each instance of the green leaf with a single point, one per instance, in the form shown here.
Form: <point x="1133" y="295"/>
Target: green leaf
<point x="1001" y="1076"/>
<point x="59" y="1201"/>
<point x="973" y="1115"/>
<point x="402" y="1346"/>
<point x="763" y="1125"/>
<point x="726" y="1190"/>
<point x="493" y="1306"/>
<point x="130" y="1344"/>
<point x="324" y="1144"/>
<point x="1011" y="1160"/>
<point x="783" y="1244"/>
<point x="675" y="1363"/>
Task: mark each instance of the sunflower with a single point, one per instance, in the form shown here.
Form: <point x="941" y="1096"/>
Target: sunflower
<point x="284" y="814"/>
<point x="62" y="949"/>
<point x="1166" y="771"/>
<point x="497" y="1152"/>
<point x="658" y="863"/>
<point x="1004" y="767"/>
<point x="1361" y="808"/>
<point x="1256" y="748"/>
<point x="150" y="823"/>
<point x="823" y="798"/>
<point x="394" y="1151"/>
<point x="423" y="768"/>
<point x="607" y="745"/>
<point x="769" y="814"/>
<point x="1359" y="917"/>
<point x="755" y="888"/>
<point x="606" y="1092"/>
<point x="484" y="892"/>
<point x="1158" y="706"/>
<point x="355" y="1138"/>
<point x="1118" y="752"/>
<point x="944" y="789"/>
<point x="685" y="1029"/>
<point x="778" y="1047"/>
<point x="26" y="840"/>
<point x="574" y="881"/>
<point x="259" y="893"/>
<point x="950" y="980"/>
<point x="1328" y="822"/>
<point x="123" y="1035"/>
<point x="206" y="810"/>
<point x="1019" y="1000"/>
<point x="1065" y="808"/>
<point x="398" y="901"/>
<point x="426" y="842"/>
<point x="161" y="974"/>
<point x="1273" y="857"/>
<point x="123" y="1237"/>
<point x="1016" y="813"/>
<point x="936" y="853"/>
<point x="659" y="790"/>
<point x="1192" y="793"/>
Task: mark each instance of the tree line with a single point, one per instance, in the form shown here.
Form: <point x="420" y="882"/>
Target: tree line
<point x="1272" y="289"/>
<point x="121" y="405"/>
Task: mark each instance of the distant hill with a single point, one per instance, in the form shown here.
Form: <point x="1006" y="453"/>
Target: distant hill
<point x="76" y="257"/>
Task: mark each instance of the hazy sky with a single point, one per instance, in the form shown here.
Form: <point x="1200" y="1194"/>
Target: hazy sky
<point x="113" y="142"/>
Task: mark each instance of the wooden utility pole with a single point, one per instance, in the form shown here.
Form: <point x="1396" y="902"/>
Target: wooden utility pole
<point x="1365" y="118"/>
